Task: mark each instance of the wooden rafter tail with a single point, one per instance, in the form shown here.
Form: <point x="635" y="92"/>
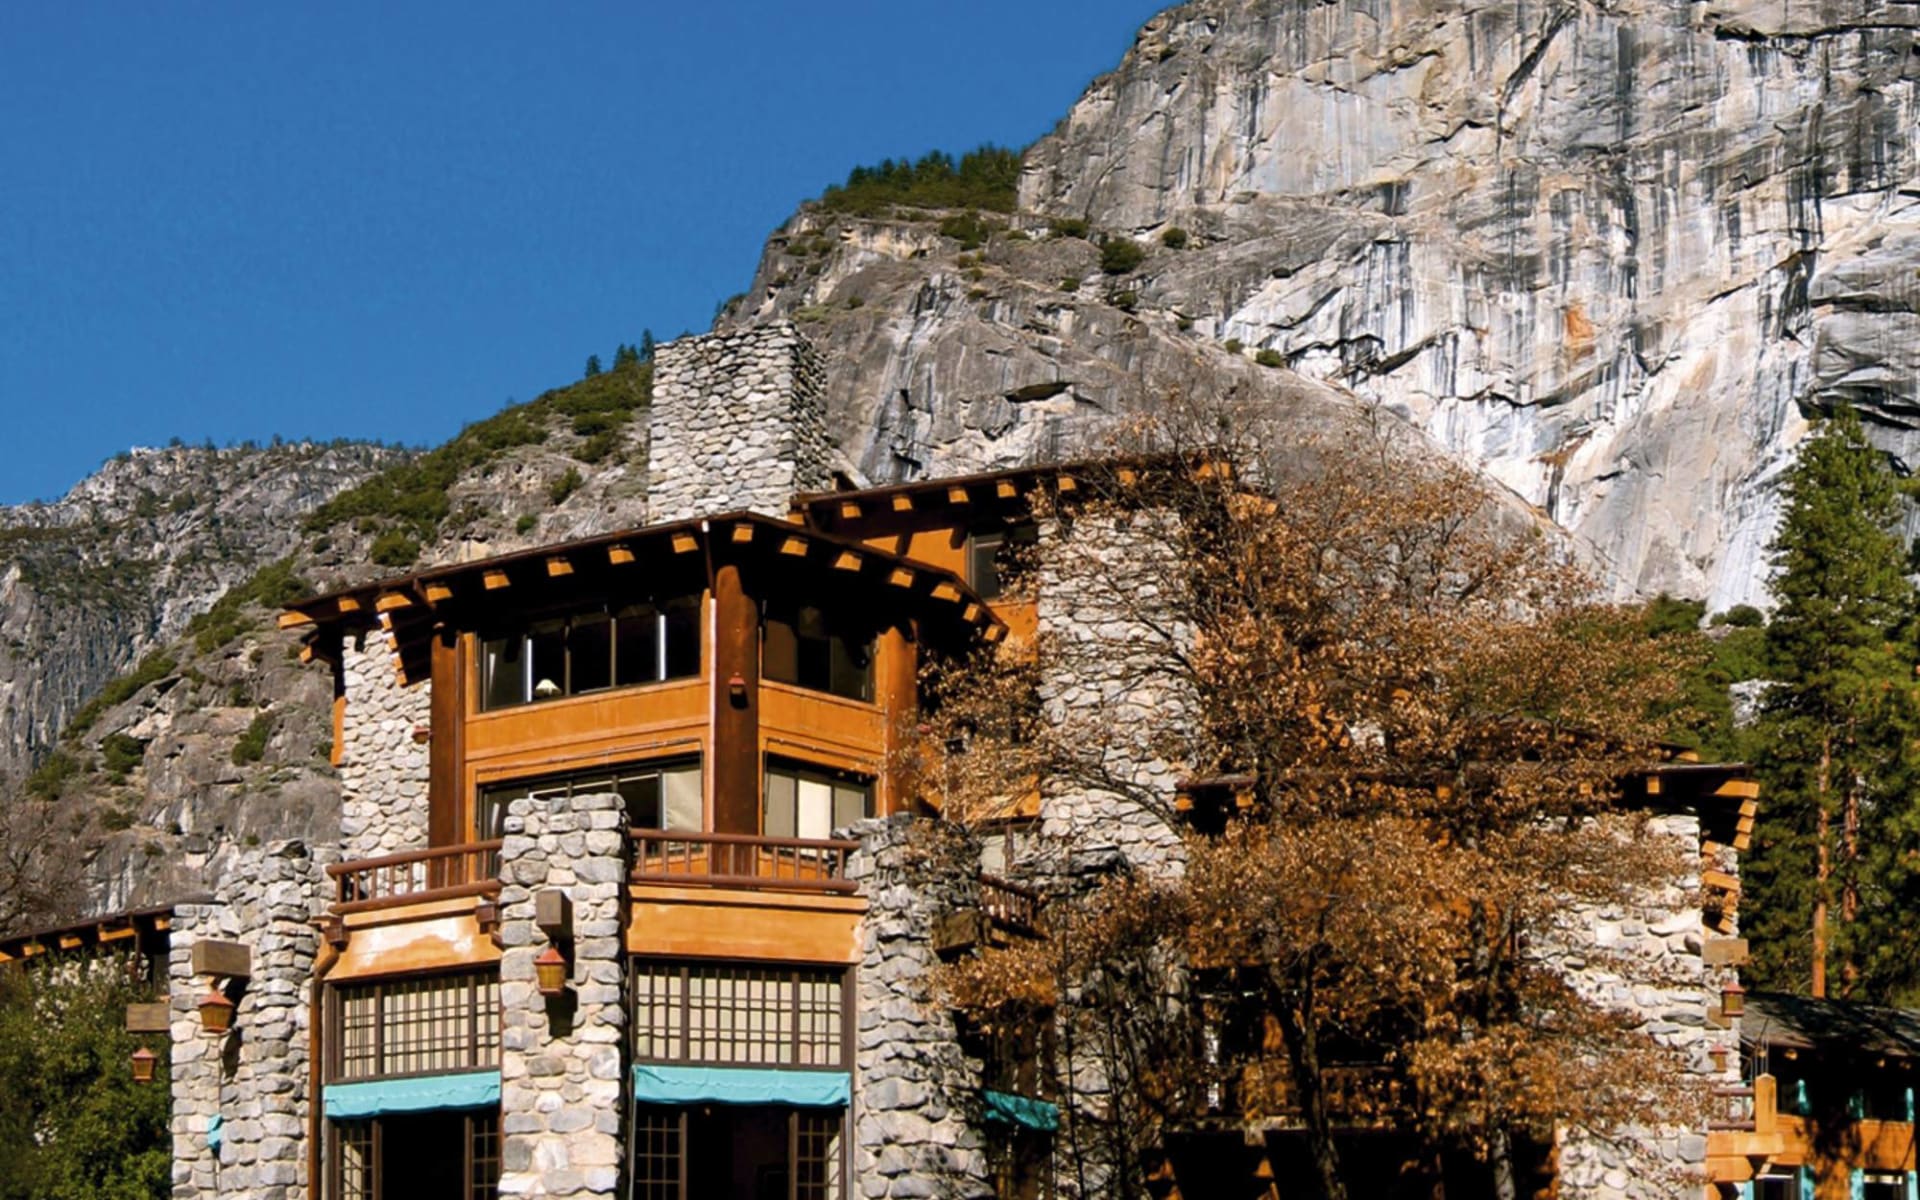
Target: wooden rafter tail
<point x="685" y="543"/>
<point x="849" y="510"/>
<point x="945" y="590"/>
<point x="958" y="496"/>
<point x="294" y="619"/>
<point x="493" y="581"/>
<point x="1065" y="483"/>
<point x="743" y="532"/>
<point x="902" y="502"/>
<point x="347" y="604"/>
<point x="847" y="560"/>
<point x="794" y="546"/>
<point x="971" y="614"/>
<point x="439" y="592"/>
<point x="901" y="577"/>
<point x="1005" y="490"/>
<point x="619" y="554"/>
<point x="558" y="565"/>
<point x="392" y="601"/>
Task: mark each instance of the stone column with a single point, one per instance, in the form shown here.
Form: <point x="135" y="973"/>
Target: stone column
<point x="562" y="1061"/>
<point x="256" y="1079"/>
<point x="383" y="770"/>
<point x="916" y="1094"/>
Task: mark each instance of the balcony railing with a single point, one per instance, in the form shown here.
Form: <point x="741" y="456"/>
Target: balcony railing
<point x="741" y="860"/>
<point x="1009" y="905"/>
<point x="416" y="876"/>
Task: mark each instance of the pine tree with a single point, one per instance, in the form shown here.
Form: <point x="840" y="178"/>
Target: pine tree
<point x="646" y="345"/>
<point x="593" y="365"/>
<point x="1833" y="742"/>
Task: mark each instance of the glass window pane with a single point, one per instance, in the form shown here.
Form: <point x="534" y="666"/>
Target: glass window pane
<point x="815" y="664"/>
<point x="815" y="808"/>
<point x="547" y="646"/>
<point x="590" y="653"/>
<point x="683" y="640"/>
<point x="983" y="565"/>
<point x="781" y="787"/>
<point x="780" y="655"/>
<point x="851" y="802"/>
<point x="505" y="681"/>
<point x="642" y="794"/>
<point x="852" y="669"/>
<point x="638" y="647"/>
<point x="686" y="806"/>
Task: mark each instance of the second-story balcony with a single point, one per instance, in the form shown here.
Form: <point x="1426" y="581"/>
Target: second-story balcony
<point x="416" y="877"/>
<point x="740" y="860"/>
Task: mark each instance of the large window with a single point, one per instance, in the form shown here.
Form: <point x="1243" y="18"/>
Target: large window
<point x="659" y="795"/>
<point x="804" y="646"/>
<point x="590" y="652"/>
<point x="764" y="1151"/>
<point x="433" y="1025"/>
<point x="807" y="802"/>
<point x="749" y="1016"/>
<point x="417" y="1156"/>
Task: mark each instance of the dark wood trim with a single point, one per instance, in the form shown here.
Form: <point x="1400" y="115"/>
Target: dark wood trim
<point x="735" y="753"/>
<point x="447" y="712"/>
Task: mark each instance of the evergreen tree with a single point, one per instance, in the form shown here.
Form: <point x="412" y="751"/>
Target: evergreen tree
<point x="646" y="345"/>
<point x="1833" y="742"/>
<point x="625" y="356"/>
<point x="593" y="365"/>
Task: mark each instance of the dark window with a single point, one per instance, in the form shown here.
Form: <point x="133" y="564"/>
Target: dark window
<point x="590" y="652"/>
<point x="802" y="646"/>
<point x="1883" y="1185"/>
<point x="765" y="1152"/>
<point x="435" y="1025"/>
<point x="983" y="563"/>
<point x="1884" y="1097"/>
<point x="429" y="1156"/>
<point x="1021" y="1163"/>
<point x="1777" y="1187"/>
<point x="807" y="802"/>
<point x="659" y="1158"/>
<point x="659" y="794"/>
<point x="766" y="1016"/>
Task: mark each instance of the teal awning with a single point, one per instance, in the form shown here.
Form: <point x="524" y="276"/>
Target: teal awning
<point x="739" y="1085"/>
<point x="1009" y="1109"/>
<point x="216" y="1132"/>
<point x="427" y="1093"/>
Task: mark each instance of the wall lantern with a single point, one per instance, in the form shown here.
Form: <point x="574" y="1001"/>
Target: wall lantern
<point x="737" y="689"/>
<point x="1719" y="1056"/>
<point x="1733" y="999"/>
<point x="550" y="969"/>
<point x="216" y="1012"/>
<point x="143" y="1060"/>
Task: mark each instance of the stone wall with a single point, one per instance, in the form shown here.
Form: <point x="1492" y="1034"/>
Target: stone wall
<point x="1647" y="959"/>
<point x="736" y="423"/>
<point x="1106" y="690"/>
<point x="255" y="1080"/>
<point x="915" y="1120"/>
<point x="562" y="1061"/>
<point x="383" y="769"/>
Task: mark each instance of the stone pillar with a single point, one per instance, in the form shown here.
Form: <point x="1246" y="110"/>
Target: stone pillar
<point x="383" y="770"/>
<point x="916" y="1094"/>
<point x="257" y="1079"/>
<point x="562" y="1062"/>
<point x="736" y="422"/>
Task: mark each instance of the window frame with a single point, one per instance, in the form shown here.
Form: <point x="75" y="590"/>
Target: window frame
<point x="801" y="769"/>
<point x="833" y="642"/>
<point x="480" y="1042"/>
<point x="613" y="772"/>
<point x="472" y="1162"/>
<point x="614" y="613"/>
<point x="681" y="1029"/>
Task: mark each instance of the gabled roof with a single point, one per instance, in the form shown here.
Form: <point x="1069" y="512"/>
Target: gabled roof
<point x="1840" y="1027"/>
<point x="938" y="601"/>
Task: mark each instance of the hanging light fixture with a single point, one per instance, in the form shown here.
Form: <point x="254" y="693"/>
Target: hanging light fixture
<point x="216" y="1012"/>
<point x="1733" y="999"/>
<point x="550" y="969"/>
<point x="143" y="1061"/>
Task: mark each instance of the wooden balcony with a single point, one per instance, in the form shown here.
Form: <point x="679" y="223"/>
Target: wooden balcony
<point x="741" y="860"/>
<point x="1008" y="905"/>
<point x="416" y="877"/>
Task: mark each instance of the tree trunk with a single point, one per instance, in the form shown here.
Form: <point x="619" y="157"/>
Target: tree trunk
<point x="1504" y="1187"/>
<point x="1823" y="870"/>
<point x="1303" y="1056"/>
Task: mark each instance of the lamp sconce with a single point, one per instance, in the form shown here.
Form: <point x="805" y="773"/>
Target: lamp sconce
<point x="333" y="931"/>
<point x="227" y="966"/>
<point x="553" y="913"/>
<point x="142" y="1064"/>
<point x="422" y="733"/>
<point x="737" y="689"/>
<point x="550" y="972"/>
<point x="146" y="1019"/>
<point x="1733" y="1000"/>
<point x="1718" y="1055"/>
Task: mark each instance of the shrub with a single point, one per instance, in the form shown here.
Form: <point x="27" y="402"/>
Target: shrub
<point x="272" y="586"/>
<point x="121" y="753"/>
<point x="1125" y="301"/>
<point x="1740" y="616"/>
<point x="394" y="549"/>
<point x="252" y="744"/>
<point x="968" y="229"/>
<point x="598" y="447"/>
<point x="1070" y="284"/>
<point x="151" y="669"/>
<point x="1234" y="346"/>
<point x="986" y="178"/>
<point x="1174" y="239"/>
<point x="52" y="774"/>
<point x="1270" y="358"/>
<point x="116" y="819"/>
<point x="565" y="486"/>
<point x="1118" y="255"/>
<point x="1073" y="227"/>
<point x="526" y="523"/>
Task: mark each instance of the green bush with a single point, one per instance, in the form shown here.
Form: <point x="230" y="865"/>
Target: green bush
<point x="1234" y="346"/>
<point x="565" y="486"/>
<point x="52" y="774"/>
<point x="526" y="523"/>
<point x="272" y="587"/>
<point x="394" y="549"/>
<point x="1174" y="239"/>
<point x="1270" y="358"/>
<point x="252" y="744"/>
<point x="1740" y="616"/>
<point x="1125" y="301"/>
<point x="986" y="178"/>
<point x="968" y="229"/>
<point x="1072" y="227"/>
<point x="598" y="447"/>
<point x="114" y="820"/>
<point x="121" y="753"/>
<point x="151" y="669"/>
<point x="1118" y="255"/>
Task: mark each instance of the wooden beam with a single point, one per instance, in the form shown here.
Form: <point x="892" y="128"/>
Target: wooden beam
<point x="118" y="935"/>
<point x="1741" y="789"/>
<point x="1066" y="483"/>
<point x="902" y="502"/>
<point x="847" y="561"/>
<point x="619" y="554"/>
<point x="1721" y="880"/>
<point x="796" y="546"/>
<point x="559" y="565"/>
<point x="348" y="604"/>
<point x="71" y="941"/>
<point x="228" y="960"/>
<point x="1128" y="476"/>
<point x="390" y="601"/>
<point x="849" y="510"/>
<point x="685" y="543"/>
<point x="293" y="620"/>
<point x="957" y="495"/>
<point x="1005" y="489"/>
<point x="901" y="577"/>
<point x="743" y="532"/>
<point x="995" y="633"/>
<point x="439" y="593"/>
<point x="946" y="591"/>
<point x="972" y="613"/>
<point x="149" y="1018"/>
<point x="495" y="580"/>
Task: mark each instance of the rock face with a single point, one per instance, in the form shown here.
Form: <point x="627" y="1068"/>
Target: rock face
<point x="1614" y="255"/>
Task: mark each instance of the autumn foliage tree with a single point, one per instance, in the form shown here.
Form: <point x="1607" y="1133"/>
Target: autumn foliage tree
<point x="1432" y="717"/>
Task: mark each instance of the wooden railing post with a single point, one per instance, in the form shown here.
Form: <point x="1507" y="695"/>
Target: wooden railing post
<point x="1766" y="1102"/>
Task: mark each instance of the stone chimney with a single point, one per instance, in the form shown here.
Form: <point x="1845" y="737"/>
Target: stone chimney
<point x="736" y="423"/>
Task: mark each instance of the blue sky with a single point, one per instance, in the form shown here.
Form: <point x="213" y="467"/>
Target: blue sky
<point x="382" y="221"/>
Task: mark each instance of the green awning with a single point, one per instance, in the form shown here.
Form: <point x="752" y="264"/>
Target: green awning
<point x="1009" y="1109"/>
<point x="426" y="1093"/>
<point x="653" y="1084"/>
